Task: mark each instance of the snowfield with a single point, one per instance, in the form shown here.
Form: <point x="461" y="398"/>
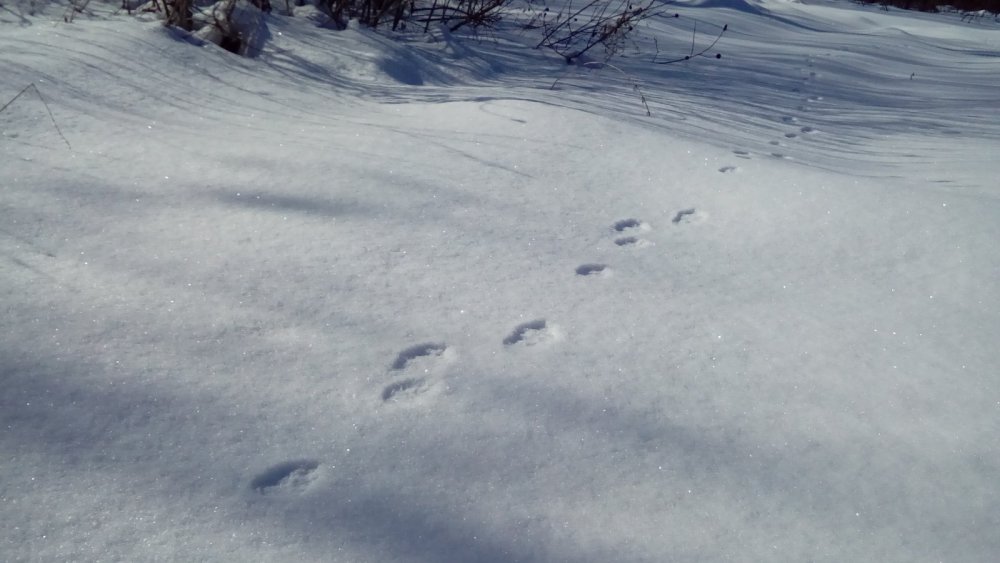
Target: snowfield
<point x="438" y="298"/>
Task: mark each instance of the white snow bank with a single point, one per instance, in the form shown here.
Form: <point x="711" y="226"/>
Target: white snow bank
<point x="356" y="300"/>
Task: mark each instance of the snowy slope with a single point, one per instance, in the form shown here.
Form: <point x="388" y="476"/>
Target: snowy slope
<point x="364" y="299"/>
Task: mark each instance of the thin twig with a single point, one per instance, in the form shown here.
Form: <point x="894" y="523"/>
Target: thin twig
<point x="699" y="53"/>
<point x="26" y="88"/>
<point x="635" y="83"/>
<point x="694" y="33"/>
<point x="44" y="103"/>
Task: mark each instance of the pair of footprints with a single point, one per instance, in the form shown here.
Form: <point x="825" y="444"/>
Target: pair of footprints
<point x="414" y="368"/>
<point x="625" y="228"/>
<point x="804" y="130"/>
<point x="413" y="385"/>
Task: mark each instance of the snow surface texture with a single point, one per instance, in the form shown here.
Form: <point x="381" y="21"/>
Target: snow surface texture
<point x="357" y="299"/>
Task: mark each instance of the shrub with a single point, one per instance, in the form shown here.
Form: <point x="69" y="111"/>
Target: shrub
<point x="575" y="30"/>
<point x="971" y="8"/>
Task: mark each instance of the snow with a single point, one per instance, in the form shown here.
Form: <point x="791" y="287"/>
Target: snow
<point x="363" y="298"/>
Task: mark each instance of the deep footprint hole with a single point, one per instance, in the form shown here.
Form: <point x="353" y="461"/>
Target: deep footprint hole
<point x="418" y="351"/>
<point x="278" y="474"/>
<point x="682" y="214"/>
<point x="400" y="387"/>
<point x="521" y="330"/>
<point x="590" y="269"/>
<point x="626" y="224"/>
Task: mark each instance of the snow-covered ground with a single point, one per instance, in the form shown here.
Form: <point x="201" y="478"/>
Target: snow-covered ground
<point x="366" y="299"/>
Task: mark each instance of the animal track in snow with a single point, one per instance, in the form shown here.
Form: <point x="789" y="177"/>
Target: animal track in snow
<point x="532" y="333"/>
<point x="629" y="226"/>
<point x="592" y="269"/>
<point x="682" y="214"/>
<point x="428" y="360"/>
<point x="290" y="476"/>
<point x="407" y="387"/>
<point x="634" y="242"/>
<point x="418" y="351"/>
<point x="626" y="224"/>
<point x="742" y="154"/>
<point x="791" y="135"/>
<point x="729" y="169"/>
<point x="807" y="130"/>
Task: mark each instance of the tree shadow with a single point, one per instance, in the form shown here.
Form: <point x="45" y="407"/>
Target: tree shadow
<point x="129" y="435"/>
<point x="284" y="203"/>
